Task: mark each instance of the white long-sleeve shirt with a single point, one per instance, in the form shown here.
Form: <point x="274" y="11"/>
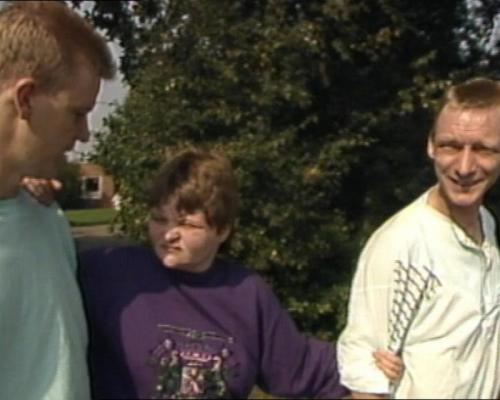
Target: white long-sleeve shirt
<point x="424" y="287"/>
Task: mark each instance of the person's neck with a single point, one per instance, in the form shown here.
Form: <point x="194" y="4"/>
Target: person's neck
<point x="466" y="217"/>
<point x="9" y="182"/>
<point x="10" y="175"/>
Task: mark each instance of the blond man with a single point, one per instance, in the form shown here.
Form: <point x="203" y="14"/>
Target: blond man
<point x="51" y="66"/>
<point x="428" y="281"/>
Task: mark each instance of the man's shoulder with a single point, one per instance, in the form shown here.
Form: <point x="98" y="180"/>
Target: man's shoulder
<point x="25" y="216"/>
<point x="404" y="224"/>
<point x="44" y="214"/>
<point x="401" y="238"/>
<point x="23" y="204"/>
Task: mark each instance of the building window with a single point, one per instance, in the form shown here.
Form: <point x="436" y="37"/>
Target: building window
<point x="92" y="187"/>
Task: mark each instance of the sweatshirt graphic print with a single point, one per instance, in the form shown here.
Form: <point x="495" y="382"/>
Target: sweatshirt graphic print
<point x="191" y="364"/>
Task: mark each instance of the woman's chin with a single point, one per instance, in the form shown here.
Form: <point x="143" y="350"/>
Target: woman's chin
<point x="167" y="260"/>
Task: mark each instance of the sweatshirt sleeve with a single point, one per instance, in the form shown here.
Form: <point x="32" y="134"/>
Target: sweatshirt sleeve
<point x="367" y="327"/>
<point x="292" y="364"/>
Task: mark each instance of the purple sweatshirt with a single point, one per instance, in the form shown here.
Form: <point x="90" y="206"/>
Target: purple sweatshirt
<point x="162" y="333"/>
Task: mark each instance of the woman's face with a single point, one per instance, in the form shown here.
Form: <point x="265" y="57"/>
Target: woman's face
<point x="184" y="241"/>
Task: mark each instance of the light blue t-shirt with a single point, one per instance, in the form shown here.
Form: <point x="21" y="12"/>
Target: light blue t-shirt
<point x="43" y="336"/>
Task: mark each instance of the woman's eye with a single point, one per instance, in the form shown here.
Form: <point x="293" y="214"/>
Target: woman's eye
<point x="191" y="224"/>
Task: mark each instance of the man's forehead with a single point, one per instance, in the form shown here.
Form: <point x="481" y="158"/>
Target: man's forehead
<point x="468" y="118"/>
<point x="82" y="90"/>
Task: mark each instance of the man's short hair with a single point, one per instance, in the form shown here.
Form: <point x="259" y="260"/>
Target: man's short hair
<point x="475" y="93"/>
<point x="198" y="180"/>
<point x="46" y="40"/>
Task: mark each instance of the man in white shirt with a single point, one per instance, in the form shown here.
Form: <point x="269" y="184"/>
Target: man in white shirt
<point x="427" y="285"/>
<point x="51" y="65"/>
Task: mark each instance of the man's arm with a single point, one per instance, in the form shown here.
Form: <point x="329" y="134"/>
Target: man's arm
<point x="367" y="328"/>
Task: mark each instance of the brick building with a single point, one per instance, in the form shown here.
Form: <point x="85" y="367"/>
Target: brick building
<point x="97" y="188"/>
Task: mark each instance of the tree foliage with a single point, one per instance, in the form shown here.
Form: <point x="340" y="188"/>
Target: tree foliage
<point x="479" y="34"/>
<point x="323" y="107"/>
<point x="128" y="23"/>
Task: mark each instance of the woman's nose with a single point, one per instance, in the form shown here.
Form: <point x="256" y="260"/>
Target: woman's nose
<point x="172" y="233"/>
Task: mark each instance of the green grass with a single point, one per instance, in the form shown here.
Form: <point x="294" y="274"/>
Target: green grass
<point x="90" y="216"/>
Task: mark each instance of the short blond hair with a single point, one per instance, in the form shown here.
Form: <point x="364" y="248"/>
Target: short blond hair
<point x="45" y="40"/>
<point x="475" y="93"/>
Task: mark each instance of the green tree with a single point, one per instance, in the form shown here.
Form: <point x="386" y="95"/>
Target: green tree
<point x="129" y="23"/>
<point x="323" y="107"/>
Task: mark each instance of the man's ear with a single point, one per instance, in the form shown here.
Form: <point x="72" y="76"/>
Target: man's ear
<point x="23" y="92"/>
<point x="430" y="147"/>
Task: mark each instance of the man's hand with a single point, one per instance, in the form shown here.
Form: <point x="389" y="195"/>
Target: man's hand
<point x="42" y="189"/>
